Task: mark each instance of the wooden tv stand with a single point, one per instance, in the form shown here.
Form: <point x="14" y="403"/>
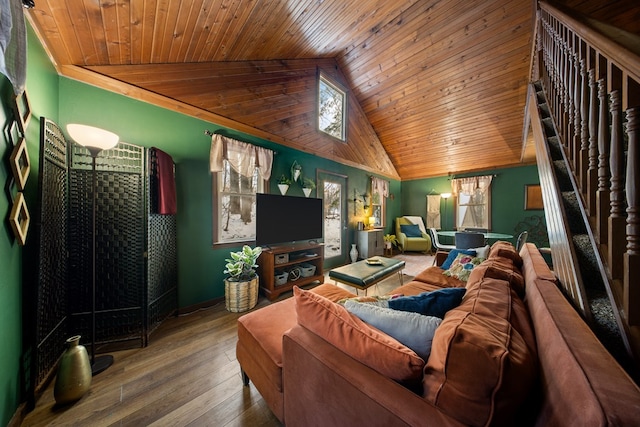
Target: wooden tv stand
<point x="288" y="258"/>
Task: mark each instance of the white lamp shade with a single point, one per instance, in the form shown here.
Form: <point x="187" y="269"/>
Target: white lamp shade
<point x="92" y="137"/>
<point x="445" y="195"/>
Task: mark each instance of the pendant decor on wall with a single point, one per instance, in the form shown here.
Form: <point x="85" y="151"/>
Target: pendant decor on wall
<point x="19" y="217"/>
<point x="22" y="111"/>
<point x="20" y="165"/>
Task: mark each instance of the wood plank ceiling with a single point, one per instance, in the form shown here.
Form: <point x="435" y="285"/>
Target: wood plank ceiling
<point x="438" y="85"/>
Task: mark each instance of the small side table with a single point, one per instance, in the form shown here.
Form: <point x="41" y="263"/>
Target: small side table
<point x="388" y="251"/>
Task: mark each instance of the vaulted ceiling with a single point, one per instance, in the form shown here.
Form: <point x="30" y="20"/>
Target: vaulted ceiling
<point x="439" y="86"/>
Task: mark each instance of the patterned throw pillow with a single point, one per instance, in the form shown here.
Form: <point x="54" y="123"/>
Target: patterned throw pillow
<point x="453" y="254"/>
<point x="461" y="267"/>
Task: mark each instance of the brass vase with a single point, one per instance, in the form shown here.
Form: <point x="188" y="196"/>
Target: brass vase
<point x="74" y="373"/>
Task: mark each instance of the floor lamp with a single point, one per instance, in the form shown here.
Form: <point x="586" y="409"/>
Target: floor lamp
<point x="95" y="140"/>
<point x="445" y="196"/>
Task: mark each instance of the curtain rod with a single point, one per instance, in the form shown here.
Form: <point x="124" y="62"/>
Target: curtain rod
<point x="218" y="132"/>
<point x="494" y="175"/>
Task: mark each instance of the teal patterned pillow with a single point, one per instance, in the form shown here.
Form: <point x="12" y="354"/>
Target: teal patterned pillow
<point x="461" y="267"/>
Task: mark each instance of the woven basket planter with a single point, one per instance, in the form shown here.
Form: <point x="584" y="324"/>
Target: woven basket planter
<point x="241" y="296"/>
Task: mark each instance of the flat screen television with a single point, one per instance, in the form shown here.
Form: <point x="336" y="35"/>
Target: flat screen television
<point x="287" y="219"/>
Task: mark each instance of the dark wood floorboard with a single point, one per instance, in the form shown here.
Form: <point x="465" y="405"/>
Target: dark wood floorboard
<point x="187" y="376"/>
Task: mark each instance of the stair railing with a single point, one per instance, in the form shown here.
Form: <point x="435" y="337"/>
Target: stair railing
<point x="593" y="89"/>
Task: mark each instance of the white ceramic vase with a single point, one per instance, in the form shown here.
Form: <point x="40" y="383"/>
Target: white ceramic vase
<point x="306" y="191"/>
<point x="353" y="253"/>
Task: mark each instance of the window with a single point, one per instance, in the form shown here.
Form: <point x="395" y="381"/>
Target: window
<point x="473" y="202"/>
<point x="332" y="108"/>
<point x="239" y="170"/>
<point x="235" y="205"/>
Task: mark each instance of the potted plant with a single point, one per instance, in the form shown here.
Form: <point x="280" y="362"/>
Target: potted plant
<point x="283" y="184"/>
<point x="241" y="285"/>
<point x="307" y="185"/>
<point x="389" y="240"/>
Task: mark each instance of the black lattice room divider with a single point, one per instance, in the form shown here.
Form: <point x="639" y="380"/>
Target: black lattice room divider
<point x="136" y="260"/>
<point x="51" y="317"/>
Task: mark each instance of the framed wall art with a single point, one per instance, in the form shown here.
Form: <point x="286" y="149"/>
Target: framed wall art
<point x="533" y="197"/>
<point x="22" y="111"/>
<point x="19" y="219"/>
<point x="20" y="164"/>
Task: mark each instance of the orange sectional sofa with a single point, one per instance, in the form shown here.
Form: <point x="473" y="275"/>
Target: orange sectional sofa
<point x="513" y="352"/>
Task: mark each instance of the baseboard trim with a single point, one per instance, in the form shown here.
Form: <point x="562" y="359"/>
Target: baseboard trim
<point x="200" y="306"/>
<point x="18" y="416"/>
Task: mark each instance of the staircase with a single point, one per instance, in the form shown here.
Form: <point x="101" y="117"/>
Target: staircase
<point x="599" y="309"/>
<point x="584" y="112"/>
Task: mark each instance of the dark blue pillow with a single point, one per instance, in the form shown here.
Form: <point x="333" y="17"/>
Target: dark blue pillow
<point x="411" y="230"/>
<point x="453" y="254"/>
<point x="435" y="303"/>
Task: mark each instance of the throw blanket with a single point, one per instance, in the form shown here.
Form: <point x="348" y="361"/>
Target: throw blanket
<point x="417" y="220"/>
<point x="13" y="44"/>
<point x="166" y="184"/>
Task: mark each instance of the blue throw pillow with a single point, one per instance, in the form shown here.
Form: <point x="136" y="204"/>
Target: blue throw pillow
<point x="435" y="303"/>
<point x="453" y="254"/>
<point x="411" y="230"/>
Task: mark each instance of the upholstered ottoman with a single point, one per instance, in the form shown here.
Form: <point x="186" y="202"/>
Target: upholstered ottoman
<point x="259" y="347"/>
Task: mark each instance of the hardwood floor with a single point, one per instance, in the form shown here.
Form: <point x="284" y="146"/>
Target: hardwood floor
<point x="187" y="376"/>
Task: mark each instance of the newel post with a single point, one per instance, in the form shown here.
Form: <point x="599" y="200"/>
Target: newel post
<point x="631" y="283"/>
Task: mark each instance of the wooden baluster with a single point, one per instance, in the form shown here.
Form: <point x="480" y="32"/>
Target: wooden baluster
<point x="602" y="195"/>
<point x="631" y="283"/>
<point x="564" y="98"/>
<point x="584" y="126"/>
<point x="554" y="76"/>
<point x="592" y="172"/>
<point x="616" y="242"/>
<point x="569" y="115"/>
<point x="576" y="143"/>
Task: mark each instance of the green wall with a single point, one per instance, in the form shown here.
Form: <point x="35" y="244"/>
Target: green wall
<point x="200" y="264"/>
<point x="42" y="90"/>
<point x="10" y="282"/>
<point x="507" y="197"/>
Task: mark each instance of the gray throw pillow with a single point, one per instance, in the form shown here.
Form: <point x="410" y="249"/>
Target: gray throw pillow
<point x="411" y="329"/>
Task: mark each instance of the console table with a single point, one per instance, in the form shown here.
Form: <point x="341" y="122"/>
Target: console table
<point x="370" y="242"/>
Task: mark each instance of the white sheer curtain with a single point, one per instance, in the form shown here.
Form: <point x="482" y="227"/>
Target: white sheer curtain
<point x="472" y="195"/>
<point x="380" y="186"/>
<point x="243" y="157"/>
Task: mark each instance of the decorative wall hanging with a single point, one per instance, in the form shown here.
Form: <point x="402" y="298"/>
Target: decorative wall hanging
<point x="296" y="171"/>
<point x="22" y="111"/>
<point x="532" y="197"/>
<point x="20" y="164"/>
<point x="19" y="219"/>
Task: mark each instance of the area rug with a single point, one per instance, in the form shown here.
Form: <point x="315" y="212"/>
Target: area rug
<point x="415" y="262"/>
